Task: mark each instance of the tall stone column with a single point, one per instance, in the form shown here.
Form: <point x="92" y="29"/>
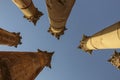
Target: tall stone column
<point x="28" y="9"/>
<point x="9" y="38"/>
<point x="108" y="38"/>
<point x="115" y="60"/>
<point x="58" y="12"/>
<point x="15" y="65"/>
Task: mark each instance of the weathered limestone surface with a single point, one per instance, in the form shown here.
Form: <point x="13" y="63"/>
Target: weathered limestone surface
<point x="108" y="38"/>
<point x="58" y="12"/>
<point x="23" y="65"/>
<point x="9" y="38"/>
<point x="28" y="9"/>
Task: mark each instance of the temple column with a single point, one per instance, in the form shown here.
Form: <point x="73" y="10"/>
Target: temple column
<point x="28" y="9"/>
<point x="58" y="12"/>
<point x="9" y="38"/>
<point x="15" y="65"/>
<point x="108" y="38"/>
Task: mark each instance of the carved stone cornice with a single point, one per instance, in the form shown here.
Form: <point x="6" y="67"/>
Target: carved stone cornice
<point x="35" y="17"/>
<point x="57" y="32"/>
<point x="115" y="60"/>
<point x="48" y="57"/>
<point x="82" y="44"/>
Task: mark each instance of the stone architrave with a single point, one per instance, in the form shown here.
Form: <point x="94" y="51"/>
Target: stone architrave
<point x="108" y="38"/>
<point x="115" y="60"/>
<point x="58" y="13"/>
<point x="9" y="38"/>
<point x="30" y="12"/>
<point x="23" y="65"/>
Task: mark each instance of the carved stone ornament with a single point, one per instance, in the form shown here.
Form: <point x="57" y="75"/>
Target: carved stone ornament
<point x="82" y="44"/>
<point x="115" y="60"/>
<point x="57" y="32"/>
<point x="35" y="17"/>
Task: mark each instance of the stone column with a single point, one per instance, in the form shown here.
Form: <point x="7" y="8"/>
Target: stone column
<point x="9" y="38"/>
<point x="58" y="12"/>
<point x="28" y="9"/>
<point x="15" y="65"/>
<point x="108" y="38"/>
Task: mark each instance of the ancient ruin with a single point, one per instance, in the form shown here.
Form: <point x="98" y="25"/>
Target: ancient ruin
<point x="9" y="38"/>
<point x="16" y="65"/>
<point x="30" y="12"/>
<point x="58" y="13"/>
<point x="108" y="38"/>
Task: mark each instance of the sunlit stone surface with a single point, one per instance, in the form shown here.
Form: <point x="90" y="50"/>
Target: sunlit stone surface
<point x="108" y="38"/>
<point x="29" y="10"/>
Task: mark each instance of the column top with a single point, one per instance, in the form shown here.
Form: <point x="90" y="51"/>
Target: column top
<point x="57" y="32"/>
<point x="35" y="17"/>
<point x="115" y="59"/>
<point x="83" y="42"/>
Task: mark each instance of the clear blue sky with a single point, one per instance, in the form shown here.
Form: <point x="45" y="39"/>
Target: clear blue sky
<point x="69" y="62"/>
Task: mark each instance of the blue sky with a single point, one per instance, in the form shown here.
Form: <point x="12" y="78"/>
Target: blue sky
<point x="69" y="62"/>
